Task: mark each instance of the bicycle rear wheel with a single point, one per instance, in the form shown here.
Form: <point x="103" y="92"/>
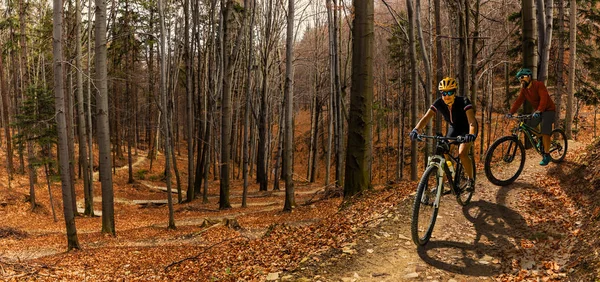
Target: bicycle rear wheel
<point x="424" y="212"/>
<point x="504" y="160"/>
<point x="558" y="145"/>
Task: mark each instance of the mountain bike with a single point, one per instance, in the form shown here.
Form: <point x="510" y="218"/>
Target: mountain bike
<point x="431" y="186"/>
<point x="505" y="159"/>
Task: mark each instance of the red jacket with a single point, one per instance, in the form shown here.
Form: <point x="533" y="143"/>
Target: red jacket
<point x="537" y="94"/>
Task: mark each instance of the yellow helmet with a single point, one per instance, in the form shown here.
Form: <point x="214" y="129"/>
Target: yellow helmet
<point x="447" y="84"/>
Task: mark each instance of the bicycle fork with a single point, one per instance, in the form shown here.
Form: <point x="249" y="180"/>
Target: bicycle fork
<point x="511" y="151"/>
<point x="440" y="163"/>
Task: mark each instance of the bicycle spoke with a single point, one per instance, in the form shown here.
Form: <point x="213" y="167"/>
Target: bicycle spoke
<point x="558" y="145"/>
<point x="424" y="211"/>
<point x="504" y="161"/>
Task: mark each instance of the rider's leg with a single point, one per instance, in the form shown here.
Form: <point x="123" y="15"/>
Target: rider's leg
<point x="546" y="129"/>
<point x="546" y="142"/>
<point x="463" y="153"/>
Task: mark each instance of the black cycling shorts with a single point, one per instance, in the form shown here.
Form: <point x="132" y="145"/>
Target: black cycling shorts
<point x="547" y="119"/>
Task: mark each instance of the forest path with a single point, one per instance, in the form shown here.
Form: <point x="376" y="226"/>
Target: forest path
<point x="479" y="242"/>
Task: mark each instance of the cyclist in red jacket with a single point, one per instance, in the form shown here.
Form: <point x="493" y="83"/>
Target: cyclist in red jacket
<point x="536" y="93"/>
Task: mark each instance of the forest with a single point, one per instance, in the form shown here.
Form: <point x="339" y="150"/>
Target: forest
<point x="263" y="140"/>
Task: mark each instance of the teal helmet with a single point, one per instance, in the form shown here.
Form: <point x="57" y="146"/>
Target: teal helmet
<point x="524" y="71"/>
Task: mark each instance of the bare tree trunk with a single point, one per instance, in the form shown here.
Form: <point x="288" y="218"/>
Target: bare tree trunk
<point x="560" y="62"/>
<point x="572" y="60"/>
<point x="63" y="147"/>
<point x="544" y="22"/>
<point x="339" y="119"/>
<point x="226" y="107"/>
<point x="24" y="72"/>
<point x="190" y="100"/>
<point x="315" y="140"/>
<point x="278" y="155"/>
<point x="262" y="175"/>
<point x="70" y="139"/>
<point x="5" y="123"/>
<point x="439" y="65"/>
<point x="288" y="152"/>
<point x="357" y="178"/>
<point x="247" y="124"/>
<point x="164" y="109"/>
<point x="413" y="86"/>
<point x="51" y="198"/>
<point x="474" y="56"/>
<point x="89" y="111"/>
<point x="427" y="67"/>
<point x="333" y="89"/>
<point x="81" y="133"/>
<point x="102" y="121"/>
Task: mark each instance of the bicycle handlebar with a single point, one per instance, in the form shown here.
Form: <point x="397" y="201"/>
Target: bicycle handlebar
<point x="458" y="139"/>
<point x="522" y="117"/>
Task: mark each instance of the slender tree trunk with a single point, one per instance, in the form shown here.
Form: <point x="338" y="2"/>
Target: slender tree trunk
<point x="50" y="197"/>
<point x="332" y="88"/>
<point x="439" y="65"/>
<point x="413" y="86"/>
<point x="315" y="141"/>
<point x="102" y="121"/>
<point x="5" y="123"/>
<point x="339" y="120"/>
<point x="71" y="139"/>
<point x="278" y="155"/>
<point x="544" y="21"/>
<point x="226" y="108"/>
<point x="290" y="201"/>
<point x="63" y="147"/>
<point x="89" y="116"/>
<point x="572" y="60"/>
<point x="560" y="62"/>
<point x="24" y="85"/>
<point x="81" y="133"/>
<point x="427" y="67"/>
<point x="164" y="109"/>
<point x="190" y="100"/>
<point x="247" y="124"/>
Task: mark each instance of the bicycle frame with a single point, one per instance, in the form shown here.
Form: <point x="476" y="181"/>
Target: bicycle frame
<point x="439" y="161"/>
<point x="527" y="130"/>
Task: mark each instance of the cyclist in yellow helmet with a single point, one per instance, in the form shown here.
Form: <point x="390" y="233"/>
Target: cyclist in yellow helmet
<point x="458" y="112"/>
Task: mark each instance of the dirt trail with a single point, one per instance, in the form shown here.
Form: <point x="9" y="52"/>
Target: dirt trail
<point x="471" y="243"/>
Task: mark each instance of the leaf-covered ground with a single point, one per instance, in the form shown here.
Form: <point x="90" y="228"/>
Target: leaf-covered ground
<point x="544" y="227"/>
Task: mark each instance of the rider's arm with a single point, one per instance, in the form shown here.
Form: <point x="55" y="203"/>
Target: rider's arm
<point x="518" y="102"/>
<point x="473" y="127"/>
<point x="425" y="119"/>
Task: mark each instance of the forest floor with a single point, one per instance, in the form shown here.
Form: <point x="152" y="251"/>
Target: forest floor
<point x="543" y="227"/>
<point x="531" y="230"/>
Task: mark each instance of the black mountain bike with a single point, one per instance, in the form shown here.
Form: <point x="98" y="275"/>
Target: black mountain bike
<point x="505" y="159"/>
<point x="443" y="169"/>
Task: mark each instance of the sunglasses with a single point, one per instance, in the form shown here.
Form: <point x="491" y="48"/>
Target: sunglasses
<point x="523" y="76"/>
<point x="448" y="93"/>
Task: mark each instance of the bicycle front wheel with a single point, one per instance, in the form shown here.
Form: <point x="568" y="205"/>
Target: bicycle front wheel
<point x="504" y="160"/>
<point x="558" y="145"/>
<point x="424" y="212"/>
